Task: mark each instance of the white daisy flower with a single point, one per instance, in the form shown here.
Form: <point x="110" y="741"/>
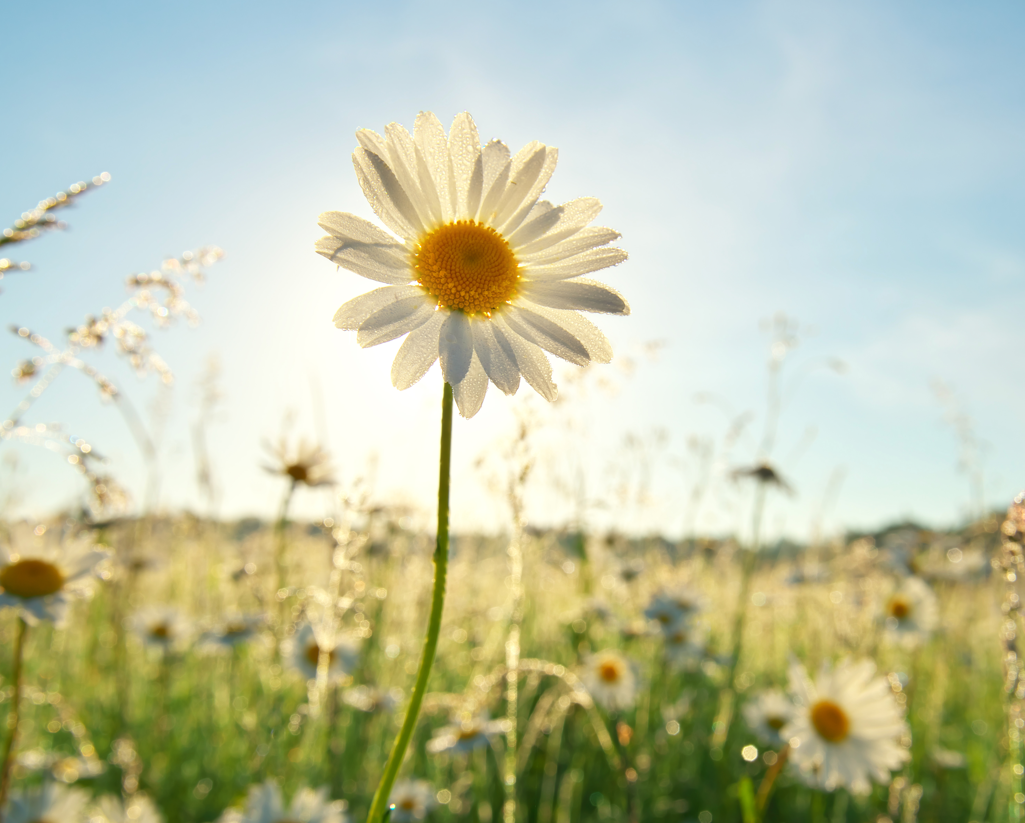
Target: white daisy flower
<point x="137" y="809"/>
<point x="465" y="735"/>
<point x="483" y="274"/>
<point x="50" y="801"/>
<point x="301" y="652"/>
<point x="411" y="800"/>
<point x="910" y="613"/>
<point x="231" y="632"/>
<point x="684" y="643"/>
<point x="610" y="679"/>
<point x="41" y="583"/>
<point x="372" y="699"/>
<point x="767" y="714"/>
<point x="846" y="727"/>
<point x="161" y="627"/>
<point x="671" y="606"/>
<point x="265" y="804"/>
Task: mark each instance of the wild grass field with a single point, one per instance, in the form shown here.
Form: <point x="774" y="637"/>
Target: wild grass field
<point x="181" y="679"/>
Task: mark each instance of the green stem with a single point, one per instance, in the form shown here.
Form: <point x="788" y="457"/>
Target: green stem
<point x="391" y="770"/>
<point x="281" y="557"/>
<point x="15" y="715"/>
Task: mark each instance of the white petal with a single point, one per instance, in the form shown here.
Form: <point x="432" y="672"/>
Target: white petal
<point x="394" y="320"/>
<point x="430" y="139"/>
<point x="402" y="160"/>
<point x="354" y="313"/>
<point x="347" y="226"/>
<point x="580" y="241"/>
<point x="455" y="347"/>
<point x="575" y="295"/>
<point x="489" y="205"/>
<point x="547" y="334"/>
<point x="511" y="222"/>
<point x="589" y="261"/>
<point x="530" y="360"/>
<point x="385" y="195"/>
<point x="464" y="149"/>
<point x="495" y="158"/>
<point x="527" y="165"/>
<point x="385" y="262"/>
<point x="575" y="215"/>
<point x="469" y="392"/>
<point x="496" y="355"/>
<point x="589" y="335"/>
<point x="542" y="219"/>
<point x="417" y="353"/>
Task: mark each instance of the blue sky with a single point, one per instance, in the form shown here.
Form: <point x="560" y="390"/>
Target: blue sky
<point x="858" y="167"/>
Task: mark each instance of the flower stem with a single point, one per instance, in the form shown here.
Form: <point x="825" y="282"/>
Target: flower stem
<point x="281" y="558"/>
<point x="14" y="716"/>
<point x="391" y="770"/>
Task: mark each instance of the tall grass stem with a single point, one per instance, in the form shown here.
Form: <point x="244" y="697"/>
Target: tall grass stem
<point x="380" y="802"/>
<point x="15" y="715"/>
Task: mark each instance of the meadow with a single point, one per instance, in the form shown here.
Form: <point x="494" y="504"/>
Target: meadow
<point x="181" y="668"/>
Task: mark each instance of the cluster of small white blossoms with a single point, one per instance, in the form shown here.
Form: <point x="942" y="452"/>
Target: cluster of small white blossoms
<point x="842" y="729"/>
<point x="675" y="614"/>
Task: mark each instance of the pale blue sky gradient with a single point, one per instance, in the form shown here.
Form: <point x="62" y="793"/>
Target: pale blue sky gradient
<point x="859" y="167"/>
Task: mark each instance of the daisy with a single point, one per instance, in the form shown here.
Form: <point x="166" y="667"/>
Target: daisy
<point x="483" y="274"/>
<point x="910" y="613"/>
<point x="307" y="464"/>
<point x="846" y="727"/>
<point x="160" y="627"/>
<point x="232" y="632"/>
<point x="138" y="809"/>
<point x="610" y="679"/>
<point x="411" y="800"/>
<point x="670" y="606"/>
<point x="371" y="699"/>
<point x="42" y="583"/>
<point x="265" y="804"/>
<point x="50" y="801"/>
<point x="767" y="714"/>
<point x="684" y="644"/>
<point x="302" y="653"/>
<point x="465" y="735"/>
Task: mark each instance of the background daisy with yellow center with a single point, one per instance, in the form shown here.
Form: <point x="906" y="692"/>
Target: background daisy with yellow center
<point x="42" y="581"/>
<point x="483" y="275"/>
<point x="846" y="728"/>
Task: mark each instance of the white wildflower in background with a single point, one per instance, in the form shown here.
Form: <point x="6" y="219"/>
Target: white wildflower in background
<point x="910" y="613"/>
<point x="161" y="627"/>
<point x="231" y="632"/>
<point x="846" y="728"/>
<point x="767" y="714"/>
<point x="307" y="463"/>
<point x="483" y="275"/>
<point x="47" y="802"/>
<point x="610" y="679"/>
<point x="372" y="699"/>
<point x="301" y="652"/>
<point x="265" y="804"/>
<point x="41" y="583"/>
<point x="684" y="643"/>
<point x="411" y="800"/>
<point x="136" y="809"/>
<point x="465" y="734"/>
<point x="670" y="606"/>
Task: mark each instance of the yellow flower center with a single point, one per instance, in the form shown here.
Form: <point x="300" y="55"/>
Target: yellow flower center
<point x="299" y="472"/>
<point x="830" y="721"/>
<point x="775" y="723"/>
<point x="407" y="804"/>
<point x="899" y="607"/>
<point x="469" y="732"/>
<point x="468" y="266"/>
<point x="161" y="631"/>
<point x="31" y="578"/>
<point x="609" y="672"/>
<point x="313" y="655"/>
